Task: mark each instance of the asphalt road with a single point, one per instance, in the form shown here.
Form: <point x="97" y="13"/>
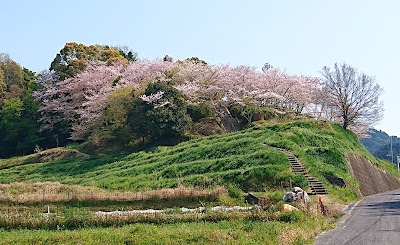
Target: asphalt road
<point x="375" y="220"/>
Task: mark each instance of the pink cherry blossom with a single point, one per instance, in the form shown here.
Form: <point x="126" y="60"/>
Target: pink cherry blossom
<point x="80" y="101"/>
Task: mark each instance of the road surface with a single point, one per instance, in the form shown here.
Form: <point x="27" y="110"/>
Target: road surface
<point x="375" y="220"/>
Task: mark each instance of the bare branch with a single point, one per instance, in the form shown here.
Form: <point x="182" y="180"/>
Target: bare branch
<point x="352" y="96"/>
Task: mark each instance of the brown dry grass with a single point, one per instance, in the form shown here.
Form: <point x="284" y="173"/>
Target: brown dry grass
<point x="55" y="154"/>
<point x="295" y="235"/>
<point x="19" y="192"/>
<point x="50" y="155"/>
<point x="331" y="205"/>
<point x="13" y="218"/>
<point x="289" y="235"/>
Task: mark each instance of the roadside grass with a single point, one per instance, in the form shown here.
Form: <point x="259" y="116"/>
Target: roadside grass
<point x="22" y="201"/>
<point x="54" y="192"/>
<point x="221" y="232"/>
<point x="59" y="213"/>
<point x="259" y="226"/>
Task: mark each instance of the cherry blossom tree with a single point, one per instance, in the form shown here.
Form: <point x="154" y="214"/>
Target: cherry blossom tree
<point x="80" y="101"/>
<point x="353" y="97"/>
<point x="222" y="84"/>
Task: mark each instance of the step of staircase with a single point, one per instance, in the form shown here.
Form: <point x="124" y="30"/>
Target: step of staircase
<point x="313" y="180"/>
<point x="315" y="186"/>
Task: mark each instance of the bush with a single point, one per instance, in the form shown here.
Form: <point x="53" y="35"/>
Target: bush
<point x="118" y="105"/>
<point x="199" y="111"/>
<point x="164" y="119"/>
<point x="291" y="217"/>
<point x="234" y="191"/>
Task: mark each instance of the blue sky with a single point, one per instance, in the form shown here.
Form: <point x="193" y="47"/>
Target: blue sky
<point x="300" y="36"/>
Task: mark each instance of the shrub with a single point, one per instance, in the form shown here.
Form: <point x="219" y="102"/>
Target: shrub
<point x="168" y="118"/>
<point x="291" y="217"/>
<point x="199" y="111"/>
<point x="234" y="191"/>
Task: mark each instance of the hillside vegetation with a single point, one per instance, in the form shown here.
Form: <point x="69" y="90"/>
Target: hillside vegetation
<point x="54" y="195"/>
<point x="239" y="159"/>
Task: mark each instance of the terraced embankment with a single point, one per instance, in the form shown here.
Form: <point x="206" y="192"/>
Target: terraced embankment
<point x="237" y="160"/>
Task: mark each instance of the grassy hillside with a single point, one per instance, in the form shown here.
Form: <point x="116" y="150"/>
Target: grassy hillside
<point x="204" y="172"/>
<point x="322" y="147"/>
<point x="237" y="159"/>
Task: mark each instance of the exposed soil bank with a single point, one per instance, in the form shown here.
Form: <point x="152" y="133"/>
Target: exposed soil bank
<point x="372" y="179"/>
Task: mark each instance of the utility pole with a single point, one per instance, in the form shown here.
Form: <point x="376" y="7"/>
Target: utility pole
<point x="391" y="148"/>
<point x="398" y="163"/>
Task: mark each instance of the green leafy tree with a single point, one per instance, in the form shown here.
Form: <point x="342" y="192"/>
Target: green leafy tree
<point x="118" y="105"/>
<point x="13" y="73"/>
<point x="196" y="60"/>
<point x="10" y="78"/>
<point x="127" y="53"/>
<point x="29" y="81"/>
<point x="199" y="111"/>
<point x="112" y="55"/>
<point x="18" y="127"/>
<point x="73" y="58"/>
<point x="131" y="56"/>
<point x="3" y="85"/>
<point x="137" y="119"/>
<point x="18" y="111"/>
<point x="160" y="117"/>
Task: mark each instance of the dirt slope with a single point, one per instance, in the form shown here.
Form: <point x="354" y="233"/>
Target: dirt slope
<point x="372" y="180"/>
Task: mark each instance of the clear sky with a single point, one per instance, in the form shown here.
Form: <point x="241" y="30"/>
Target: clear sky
<point x="300" y="36"/>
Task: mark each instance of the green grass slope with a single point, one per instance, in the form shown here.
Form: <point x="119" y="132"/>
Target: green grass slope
<point x="236" y="159"/>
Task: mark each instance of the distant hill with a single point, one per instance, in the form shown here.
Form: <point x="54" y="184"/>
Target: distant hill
<point x="385" y="152"/>
<point x="377" y="140"/>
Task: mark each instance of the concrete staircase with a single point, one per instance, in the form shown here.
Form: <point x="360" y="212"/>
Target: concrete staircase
<point x="297" y="167"/>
